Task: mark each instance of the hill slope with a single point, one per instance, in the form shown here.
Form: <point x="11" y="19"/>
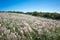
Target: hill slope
<point x="15" y="26"/>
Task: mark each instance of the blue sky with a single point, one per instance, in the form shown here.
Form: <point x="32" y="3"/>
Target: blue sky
<point x="30" y="5"/>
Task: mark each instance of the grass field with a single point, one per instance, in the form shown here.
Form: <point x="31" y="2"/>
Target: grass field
<point x="15" y="26"/>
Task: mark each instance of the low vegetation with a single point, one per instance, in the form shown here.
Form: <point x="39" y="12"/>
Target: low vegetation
<point x="15" y="26"/>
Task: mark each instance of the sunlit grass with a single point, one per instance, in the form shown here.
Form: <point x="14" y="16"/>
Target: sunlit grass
<point x="25" y="27"/>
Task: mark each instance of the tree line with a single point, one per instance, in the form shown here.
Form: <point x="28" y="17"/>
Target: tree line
<point x="45" y="14"/>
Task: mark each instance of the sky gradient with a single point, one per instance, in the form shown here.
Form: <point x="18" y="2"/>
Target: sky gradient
<point x="30" y="5"/>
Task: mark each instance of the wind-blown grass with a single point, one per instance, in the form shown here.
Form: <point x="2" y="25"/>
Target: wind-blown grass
<point x="26" y="27"/>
